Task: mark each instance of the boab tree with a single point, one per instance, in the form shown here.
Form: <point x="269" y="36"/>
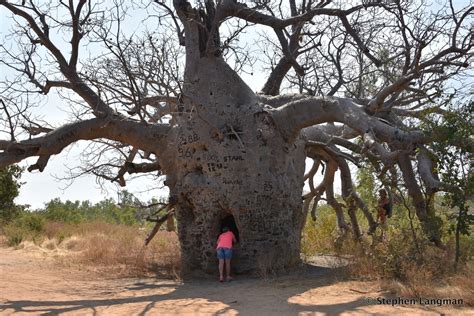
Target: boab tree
<point x="358" y="80"/>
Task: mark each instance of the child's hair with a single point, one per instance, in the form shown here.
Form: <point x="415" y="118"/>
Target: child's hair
<point x="225" y="229"/>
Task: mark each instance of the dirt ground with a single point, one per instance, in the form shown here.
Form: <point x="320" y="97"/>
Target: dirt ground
<point x="32" y="283"/>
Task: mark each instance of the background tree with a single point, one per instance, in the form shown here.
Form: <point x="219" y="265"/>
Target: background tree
<point x="454" y="166"/>
<point x="9" y="187"/>
<point x="148" y="105"/>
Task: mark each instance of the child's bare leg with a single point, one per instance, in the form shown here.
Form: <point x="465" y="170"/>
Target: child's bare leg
<point x="227" y="267"/>
<point x="221" y="269"/>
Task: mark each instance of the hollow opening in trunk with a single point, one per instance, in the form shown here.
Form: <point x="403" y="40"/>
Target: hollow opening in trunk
<point x="229" y="221"/>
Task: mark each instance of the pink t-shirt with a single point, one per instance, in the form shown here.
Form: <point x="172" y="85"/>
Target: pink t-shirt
<point x="225" y="240"/>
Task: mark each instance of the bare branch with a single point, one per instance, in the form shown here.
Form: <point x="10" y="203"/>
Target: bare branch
<point x="296" y="115"/>
<point x="151" y="138"/>
<point x="169" y="212"/>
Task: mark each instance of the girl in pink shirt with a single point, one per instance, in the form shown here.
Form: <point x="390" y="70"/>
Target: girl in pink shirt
<point x="224" y="252"/>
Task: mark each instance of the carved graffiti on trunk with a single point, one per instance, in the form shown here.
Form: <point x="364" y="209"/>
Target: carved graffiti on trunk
<point x="184" y="140"/>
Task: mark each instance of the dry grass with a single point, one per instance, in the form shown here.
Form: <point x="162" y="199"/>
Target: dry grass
<point x="427" y="272"/>
<point x="458" y="286"/>
<point x="463" y="284"/>
<point x="115" y="248"/>
<point x="114" y="245"/>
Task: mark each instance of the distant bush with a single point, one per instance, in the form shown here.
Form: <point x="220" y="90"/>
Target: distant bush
<point x="76" y="212"/>
<point x="33" y="222"/>
<point x="27" y="226"/>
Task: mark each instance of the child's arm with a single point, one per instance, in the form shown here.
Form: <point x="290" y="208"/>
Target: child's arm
<point x="234" y="240"/>
<point x="218" y="240"/>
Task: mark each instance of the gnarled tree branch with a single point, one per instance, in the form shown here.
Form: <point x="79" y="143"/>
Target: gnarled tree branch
<point x="147" y="137"/>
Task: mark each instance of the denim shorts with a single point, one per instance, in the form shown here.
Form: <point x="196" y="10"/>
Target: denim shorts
<point x="224" y="253"/>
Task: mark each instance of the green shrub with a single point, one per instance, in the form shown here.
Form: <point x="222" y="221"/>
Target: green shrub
<point x="66" y="212"/>
<point x="9" y="189"/>
<point x="79" y="212"/>
<point x="319" y="236"/>
<point x="33" y="222"/>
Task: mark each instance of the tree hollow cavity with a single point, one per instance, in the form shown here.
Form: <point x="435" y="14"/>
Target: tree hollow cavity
<point x="229" y="222"/>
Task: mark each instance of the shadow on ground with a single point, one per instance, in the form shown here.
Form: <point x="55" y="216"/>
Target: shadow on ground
<point x="287" y="295"/>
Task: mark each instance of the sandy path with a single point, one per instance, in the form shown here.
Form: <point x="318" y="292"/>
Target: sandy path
<point x="30" y="284"/>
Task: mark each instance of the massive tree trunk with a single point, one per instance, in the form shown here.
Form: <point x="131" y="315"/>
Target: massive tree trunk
<point x="232" y="160"/>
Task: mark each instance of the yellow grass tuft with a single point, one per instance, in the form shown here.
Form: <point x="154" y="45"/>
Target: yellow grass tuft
<point x="123" y="247"/>
<point x="114" y="247"/>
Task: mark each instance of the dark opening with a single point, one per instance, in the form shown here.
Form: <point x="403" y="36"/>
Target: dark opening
<point x="229" y="221"/>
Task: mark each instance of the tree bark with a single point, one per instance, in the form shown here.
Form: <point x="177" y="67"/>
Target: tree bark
<point x="430" y="222"/>
<point x="231" y="159"/>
